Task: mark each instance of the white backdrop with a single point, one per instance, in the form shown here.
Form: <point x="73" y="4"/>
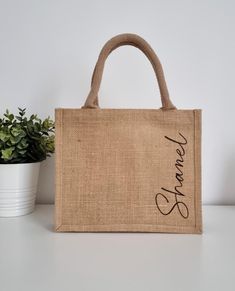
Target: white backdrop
<point x="48" y="49"/>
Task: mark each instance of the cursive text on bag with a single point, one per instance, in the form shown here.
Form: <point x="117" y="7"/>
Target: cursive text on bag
<point x="177" y="192"/>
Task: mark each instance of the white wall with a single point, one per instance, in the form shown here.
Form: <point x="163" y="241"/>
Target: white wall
<point x="48" y="50"/>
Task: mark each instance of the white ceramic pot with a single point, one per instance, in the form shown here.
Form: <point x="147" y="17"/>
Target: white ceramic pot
<point x="18" y="187"/>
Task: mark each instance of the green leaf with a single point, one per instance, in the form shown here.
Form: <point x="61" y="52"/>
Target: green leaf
<point x="22" y="152"/>
<point x="15" y="131"/>
<point x="10" y="117"/>
<point x="15" y="139"/>
<point x="7" y="153"/>
<point x="22" y="144"/>
<point x="4" y="136"/>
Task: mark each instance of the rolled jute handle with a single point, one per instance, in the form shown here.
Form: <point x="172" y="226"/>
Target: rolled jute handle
<point x="140" y="43"/>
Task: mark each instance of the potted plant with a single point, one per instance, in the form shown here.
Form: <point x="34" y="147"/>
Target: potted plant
<point x="24" y="143"/>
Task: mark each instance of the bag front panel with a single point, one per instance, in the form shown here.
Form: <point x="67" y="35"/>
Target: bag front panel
<point x="128" y="170"/>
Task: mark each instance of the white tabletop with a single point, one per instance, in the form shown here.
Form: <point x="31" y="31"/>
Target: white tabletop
<point x="33" y="257"/>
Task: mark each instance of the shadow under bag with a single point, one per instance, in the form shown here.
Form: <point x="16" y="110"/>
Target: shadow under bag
<point x="128" y="170"/>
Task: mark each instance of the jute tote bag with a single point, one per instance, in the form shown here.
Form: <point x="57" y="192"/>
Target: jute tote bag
<point x="128" y="170"/>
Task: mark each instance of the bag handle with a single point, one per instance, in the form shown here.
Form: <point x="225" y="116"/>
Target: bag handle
<point x="140" y="43"/>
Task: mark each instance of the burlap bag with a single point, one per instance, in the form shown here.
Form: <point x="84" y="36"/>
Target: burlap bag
<point x="128" y="170"/>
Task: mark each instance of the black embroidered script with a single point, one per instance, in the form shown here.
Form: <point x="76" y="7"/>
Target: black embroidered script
<point x="177" y="190"/>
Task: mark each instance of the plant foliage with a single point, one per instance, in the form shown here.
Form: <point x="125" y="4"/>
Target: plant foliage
<point x="25" y="140"/>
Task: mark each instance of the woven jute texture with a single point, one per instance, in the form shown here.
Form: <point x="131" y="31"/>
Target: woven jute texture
<point x="128" y="170"/>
